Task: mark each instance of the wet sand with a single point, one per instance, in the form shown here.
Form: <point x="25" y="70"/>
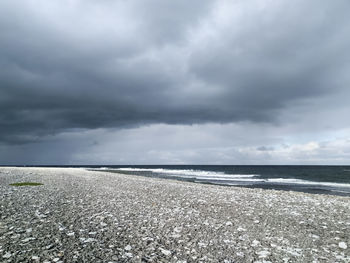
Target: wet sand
<point x="88" y="216"/>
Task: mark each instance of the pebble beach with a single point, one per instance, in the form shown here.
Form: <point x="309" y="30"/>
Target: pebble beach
<point x="79" y="215"/>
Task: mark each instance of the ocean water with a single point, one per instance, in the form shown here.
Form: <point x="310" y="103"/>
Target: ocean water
<point x="334" y="180"/>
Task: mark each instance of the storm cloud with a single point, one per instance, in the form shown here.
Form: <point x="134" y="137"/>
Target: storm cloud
<point x="73" y="66"/>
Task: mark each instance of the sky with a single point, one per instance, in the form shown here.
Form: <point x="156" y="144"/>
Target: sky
<point x="174" y="82"/>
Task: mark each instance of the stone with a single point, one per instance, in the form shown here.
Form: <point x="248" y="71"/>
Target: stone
<point x="128" y="248"/>
<point x="165" y="252"/>
<point x="7" y="255"/>
<point x="255" y="243"/>
<point x="343" y="245"/>
<point x="263" y="253"/>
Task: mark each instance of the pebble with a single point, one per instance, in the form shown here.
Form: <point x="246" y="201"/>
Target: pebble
<point x="88" y="240"/>
<point x="255" y="243"/>
<point x="165" y="252"/>
<point x="49" y="246"/>
<point x="27" y="239"/>
<point x="128" y="248"/>
<point x="107" y="214"/>
<point x="343" y="245"/>
<point x="263" y="253"/>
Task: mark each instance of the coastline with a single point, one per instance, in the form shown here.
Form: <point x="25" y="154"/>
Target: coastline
<point x="82" y="216"/>
<point x="286" y="184"/>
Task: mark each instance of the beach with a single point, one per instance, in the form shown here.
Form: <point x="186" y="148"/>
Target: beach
<point x="79" y="215"/>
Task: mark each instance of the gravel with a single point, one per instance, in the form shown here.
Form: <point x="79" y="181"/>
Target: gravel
<point x="88" y="216"/>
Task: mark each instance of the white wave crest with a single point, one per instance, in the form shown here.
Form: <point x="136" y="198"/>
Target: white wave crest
<point x="229" y="179"/>
<point x="306" y="182"/>
<point x="196" y="174"/>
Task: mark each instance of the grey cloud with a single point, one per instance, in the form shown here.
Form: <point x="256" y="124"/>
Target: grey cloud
<point x="180" y="144"/>
<point x="282" y="55"/>
<point x="124" y="64"/>
<point x="265" y="148"/>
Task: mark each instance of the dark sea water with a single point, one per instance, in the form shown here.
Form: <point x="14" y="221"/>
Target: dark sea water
<point x="312" y="179"/>
<point x="334" y="180"/>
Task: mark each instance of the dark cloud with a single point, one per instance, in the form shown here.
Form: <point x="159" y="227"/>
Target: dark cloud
<point x="122" y="64"/>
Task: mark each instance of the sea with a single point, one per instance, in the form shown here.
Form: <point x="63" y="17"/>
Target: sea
<point x="332" y="180"/>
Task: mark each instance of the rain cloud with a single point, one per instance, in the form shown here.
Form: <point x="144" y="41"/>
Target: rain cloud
<point x="75" y="66"/>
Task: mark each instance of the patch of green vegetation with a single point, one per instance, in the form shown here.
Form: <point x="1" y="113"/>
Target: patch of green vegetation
<point x="26" y="184"/>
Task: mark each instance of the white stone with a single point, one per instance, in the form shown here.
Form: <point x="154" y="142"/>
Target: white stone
<point x="50" y="246"/>
<point x="343" y="245"/>
<point x="263" y="253"/>
<point x="177" y="229"/>
<point x="229" y="223"/>
<point x="7" y="255"/>
<point x="27" y="239"/>
<point x="165" y="252"/>
<point x="128" y="248"/>
<point x="201" y="244"/>
<point x="88" y="240"/>
<point x="255" y="243"/>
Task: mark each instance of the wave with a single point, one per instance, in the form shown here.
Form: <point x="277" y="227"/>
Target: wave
<point x="306" y="182"/>
<point x="229" y="179"/>
<point x="197" y="174"/>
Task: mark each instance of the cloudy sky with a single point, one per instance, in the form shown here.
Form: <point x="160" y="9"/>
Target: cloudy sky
<point x="174" y="82"/>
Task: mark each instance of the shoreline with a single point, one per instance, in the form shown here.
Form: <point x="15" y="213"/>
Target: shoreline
<point x="260" y="181"/>
<point x="79" y="215"/>
<point x="281" y="187"/>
